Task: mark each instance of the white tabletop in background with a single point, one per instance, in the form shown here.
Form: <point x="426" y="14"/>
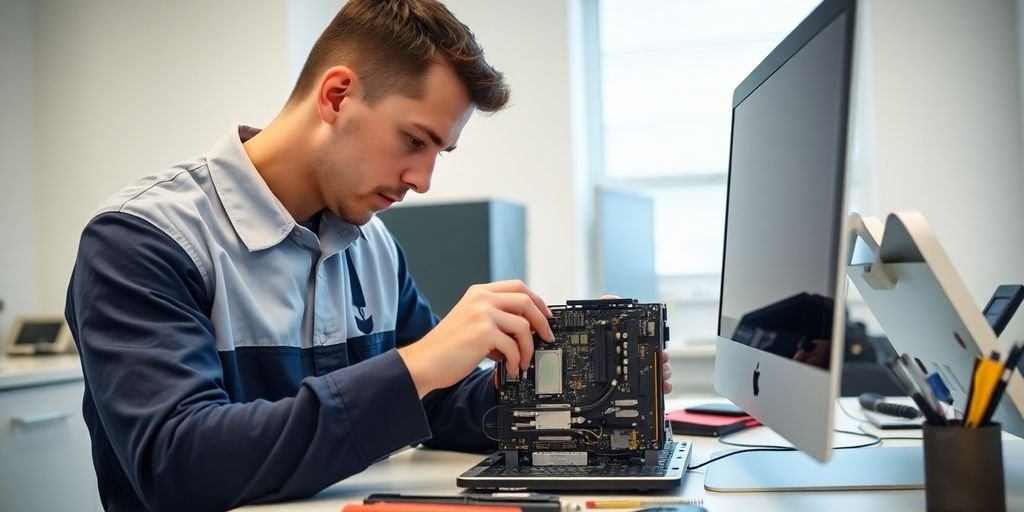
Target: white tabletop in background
<point x="24" y="371"/>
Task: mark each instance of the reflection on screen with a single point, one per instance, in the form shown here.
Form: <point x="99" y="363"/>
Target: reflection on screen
<point x="785" y="205"/>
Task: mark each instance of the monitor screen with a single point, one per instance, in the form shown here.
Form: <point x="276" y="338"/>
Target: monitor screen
<point x="786" y="207"/>
<point x="33" y="333"/>
<point x="778" y="348"/>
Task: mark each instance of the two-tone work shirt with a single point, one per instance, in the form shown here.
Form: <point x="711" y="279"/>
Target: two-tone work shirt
<point x="234" y="356"/>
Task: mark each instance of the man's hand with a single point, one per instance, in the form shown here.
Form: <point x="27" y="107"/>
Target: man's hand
<point x="495" y="320"/>
<point x="666" y="368"/>
<point x="666" y="373"/>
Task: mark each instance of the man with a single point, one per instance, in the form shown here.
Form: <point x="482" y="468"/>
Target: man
<point x="249" y="332"/>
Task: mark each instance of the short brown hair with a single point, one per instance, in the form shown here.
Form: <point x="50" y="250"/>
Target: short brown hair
<point x="392" y="43"/>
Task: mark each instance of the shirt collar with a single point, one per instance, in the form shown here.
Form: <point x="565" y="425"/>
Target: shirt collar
<point x="258" y="217"/>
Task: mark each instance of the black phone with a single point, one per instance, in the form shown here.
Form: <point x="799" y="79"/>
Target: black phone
<point x="1003" y="305"/>
<point x="719" y="408"/>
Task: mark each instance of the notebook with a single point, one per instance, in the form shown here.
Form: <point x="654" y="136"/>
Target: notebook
<point x="707" y="425"/>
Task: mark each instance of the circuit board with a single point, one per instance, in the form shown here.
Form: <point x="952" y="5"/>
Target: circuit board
<point x="595" y="389"/>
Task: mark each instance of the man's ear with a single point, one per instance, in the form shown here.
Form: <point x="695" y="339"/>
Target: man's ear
<point x="338" y="85"/>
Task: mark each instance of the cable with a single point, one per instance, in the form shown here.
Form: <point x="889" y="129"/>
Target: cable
<point x="597" y="435"/>
<point x="602" y="399"/>
<point x="875" y="440"/>
<point x="841" y="406"/>
<point x="730" y="454"/>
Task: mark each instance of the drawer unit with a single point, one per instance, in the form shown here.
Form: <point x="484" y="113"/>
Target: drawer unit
<point x="45" y="455"/>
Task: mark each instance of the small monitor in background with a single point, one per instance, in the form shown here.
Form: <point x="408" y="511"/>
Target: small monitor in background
<point x="39" y="335"/>
<point x="625" y="227"/>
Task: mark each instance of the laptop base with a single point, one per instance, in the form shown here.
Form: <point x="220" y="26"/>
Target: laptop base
<point x="605" y="473"/>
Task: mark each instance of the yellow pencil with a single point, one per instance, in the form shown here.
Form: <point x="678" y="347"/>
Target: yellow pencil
<point x="642" y="503"/>
<point x="985" y="379"/>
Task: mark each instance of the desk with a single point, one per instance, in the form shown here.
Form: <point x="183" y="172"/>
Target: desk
<point x="427" y="471"/>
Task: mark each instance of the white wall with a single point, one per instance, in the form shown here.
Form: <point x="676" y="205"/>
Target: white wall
<point x="524" y="154"/>
<point x="17" y="180"/>
<point x="118" y="100"/>
<point x="124" y="89"/>
<point x="946" y="95"/>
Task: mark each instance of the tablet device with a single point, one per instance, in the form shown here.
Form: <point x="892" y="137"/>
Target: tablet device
<point x="48" y="334"/>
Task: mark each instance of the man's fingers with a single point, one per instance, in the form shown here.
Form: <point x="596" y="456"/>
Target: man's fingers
<point x="664" y="356"/>
<point x="518" y="329"/>
<point x="516" y="286"/>
<point x="610" y="297"/>
<point x="666" y="371"/>
<point x="521" y="305"/>
<point x="510" y="349"/>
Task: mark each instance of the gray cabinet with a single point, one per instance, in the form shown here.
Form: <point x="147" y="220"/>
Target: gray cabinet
<point x="450" y="246"/>
<point x="45" y="458"/>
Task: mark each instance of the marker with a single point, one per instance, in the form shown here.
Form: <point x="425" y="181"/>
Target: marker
<point x="939" y="388"/>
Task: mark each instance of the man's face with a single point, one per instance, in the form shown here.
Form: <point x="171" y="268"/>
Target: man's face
<point x="374" y="155"/>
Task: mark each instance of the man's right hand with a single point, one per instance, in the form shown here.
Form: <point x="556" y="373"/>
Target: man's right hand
<point x="495" y="320"/>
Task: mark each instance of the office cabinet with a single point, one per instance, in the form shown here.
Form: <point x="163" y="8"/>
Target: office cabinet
<point x="45" y="455"/>
<point x="450" y="246"/>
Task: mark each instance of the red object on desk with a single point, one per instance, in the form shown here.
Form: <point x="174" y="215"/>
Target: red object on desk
<point x="708" y="425"/>
<point x="424" y="507"/>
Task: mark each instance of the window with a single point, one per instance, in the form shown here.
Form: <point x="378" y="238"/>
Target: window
<point x="668" y="69"/>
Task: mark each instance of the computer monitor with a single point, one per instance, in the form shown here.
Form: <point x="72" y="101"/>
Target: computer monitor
<point x="781" y="318"/>
<point x="785" y="266"/>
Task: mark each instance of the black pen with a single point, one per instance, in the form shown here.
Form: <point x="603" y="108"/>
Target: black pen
<point x="970" y="390"/>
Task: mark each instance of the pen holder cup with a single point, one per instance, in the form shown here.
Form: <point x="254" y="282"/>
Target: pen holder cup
<point x="963" y="468"/>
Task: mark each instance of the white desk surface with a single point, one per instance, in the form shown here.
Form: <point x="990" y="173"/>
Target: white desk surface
<point x="433" y="472"/>
<point x="24" y="371"/>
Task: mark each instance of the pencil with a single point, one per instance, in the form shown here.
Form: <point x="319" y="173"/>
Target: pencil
<point x="985" y="379"/>
<point x="642" y="503"/>
<point x="1009" y="368"/>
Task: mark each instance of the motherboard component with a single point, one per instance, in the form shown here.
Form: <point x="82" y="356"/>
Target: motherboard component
<point x="595" y="389"/>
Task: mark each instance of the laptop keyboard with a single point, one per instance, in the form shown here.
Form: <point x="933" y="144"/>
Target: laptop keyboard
<point x="610" y="467"/>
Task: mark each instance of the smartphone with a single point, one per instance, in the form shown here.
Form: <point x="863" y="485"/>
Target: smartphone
<point x="719" y="408"/>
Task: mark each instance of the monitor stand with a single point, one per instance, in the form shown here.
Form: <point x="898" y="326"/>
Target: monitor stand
<point x="889" y="468"/>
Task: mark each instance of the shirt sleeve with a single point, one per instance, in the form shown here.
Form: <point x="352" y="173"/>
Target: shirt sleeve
<point x="456" y="413"/>
<point x="138" y="308"/>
